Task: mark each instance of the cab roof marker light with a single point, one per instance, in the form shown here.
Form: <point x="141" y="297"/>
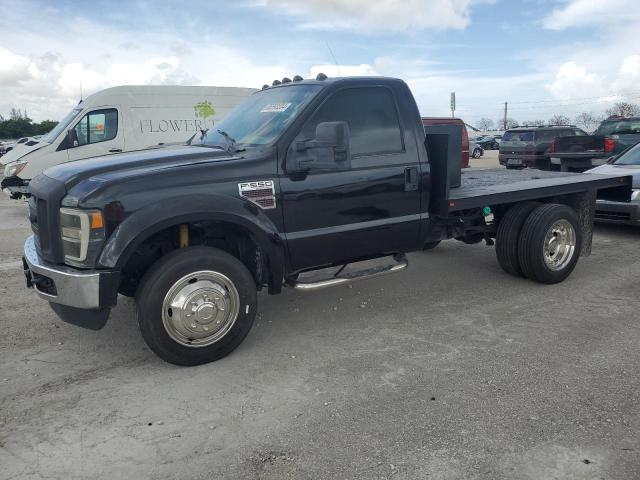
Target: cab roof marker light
<point x="276" y="82"/>
<point x="297" y="78"/>
<point x="321" y="77"/>
<point x="265" y="86"/>
<point x="286" y="80"/>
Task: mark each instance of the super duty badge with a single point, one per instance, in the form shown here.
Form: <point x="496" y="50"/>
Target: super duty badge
<point x="260" y="192"/>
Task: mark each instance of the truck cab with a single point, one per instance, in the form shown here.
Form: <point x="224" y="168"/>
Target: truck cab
<point x="306" y="184"/>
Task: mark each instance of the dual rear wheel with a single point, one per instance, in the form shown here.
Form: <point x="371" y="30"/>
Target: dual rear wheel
<point x="539" y="241"/>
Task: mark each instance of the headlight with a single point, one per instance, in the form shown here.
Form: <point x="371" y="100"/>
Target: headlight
<point x="14" y="169"/>
<point x="82" y="234"/>
<point x="635" y="194"/>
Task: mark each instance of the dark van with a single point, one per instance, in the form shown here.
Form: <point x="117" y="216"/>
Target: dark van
<point x="528" y="146"/>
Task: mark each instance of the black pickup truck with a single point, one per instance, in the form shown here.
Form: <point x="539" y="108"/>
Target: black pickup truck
<point x="580" y="153"/>
<point x="307" y="184"/>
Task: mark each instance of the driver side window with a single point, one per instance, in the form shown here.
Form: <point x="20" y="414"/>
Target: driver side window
<point x="372" y="117"/>
<point x="97" y="126"/>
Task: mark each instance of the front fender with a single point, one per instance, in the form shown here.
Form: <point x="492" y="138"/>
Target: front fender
<point x="144" y="223"/>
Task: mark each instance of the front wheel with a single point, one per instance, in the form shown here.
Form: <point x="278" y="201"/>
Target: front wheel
<point x="476" y="153"/>
<point x="196" y="305"/>
<point x="430" y="245"/>
<point x="550" y="243"/>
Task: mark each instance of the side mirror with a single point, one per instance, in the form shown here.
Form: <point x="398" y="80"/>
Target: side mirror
<point x="329" y="150"/>
<point x="71" y="140"/>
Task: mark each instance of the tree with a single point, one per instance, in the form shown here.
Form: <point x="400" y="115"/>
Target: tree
<point x="511" y="122"/>
<point x="17" y="114"/>
<point x="534" y="123"/>
<point x="624" y="109"/>
<point x="19" y="125"/>
<point x="587" y="120"/>
<point x="559" y="120"/>
<point x="45" y="126"/>
<point x="485" y="124"/>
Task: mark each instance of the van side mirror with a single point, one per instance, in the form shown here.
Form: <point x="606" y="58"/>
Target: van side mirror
<point x="71" y="140"/>
<point x="329" y="150"/>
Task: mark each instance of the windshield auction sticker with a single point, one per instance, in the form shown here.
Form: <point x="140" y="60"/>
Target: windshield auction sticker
<point x="275" y="107"/>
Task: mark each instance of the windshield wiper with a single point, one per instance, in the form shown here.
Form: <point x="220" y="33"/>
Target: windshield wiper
<point x="231" y="148"/>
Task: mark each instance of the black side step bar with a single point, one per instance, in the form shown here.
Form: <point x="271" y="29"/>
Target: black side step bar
<point x="341" y="277"/>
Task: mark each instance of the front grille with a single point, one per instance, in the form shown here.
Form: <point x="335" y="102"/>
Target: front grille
<point x="606" y="215"/>
<point x="44" y="216"/>
<point x="33" y="220"/>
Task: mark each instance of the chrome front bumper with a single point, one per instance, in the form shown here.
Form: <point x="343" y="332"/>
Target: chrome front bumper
<point x="60" y="284"/>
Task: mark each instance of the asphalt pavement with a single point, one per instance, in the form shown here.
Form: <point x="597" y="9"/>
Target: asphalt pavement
<point x="449" y="370"/>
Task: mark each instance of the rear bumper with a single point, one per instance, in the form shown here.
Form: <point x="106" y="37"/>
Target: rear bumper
<point x="81" y="297"/>
<point x="518" y="159"/>
<point x="618" y="212"/>
<point x="577" y="162"/>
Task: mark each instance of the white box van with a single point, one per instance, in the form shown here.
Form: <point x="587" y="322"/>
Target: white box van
<point x="120" y="119"/>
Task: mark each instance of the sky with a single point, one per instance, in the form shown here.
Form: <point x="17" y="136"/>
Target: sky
<point x="544" y="57"/>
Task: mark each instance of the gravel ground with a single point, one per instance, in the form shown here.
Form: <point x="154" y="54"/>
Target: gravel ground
<point x="450" y="370"/>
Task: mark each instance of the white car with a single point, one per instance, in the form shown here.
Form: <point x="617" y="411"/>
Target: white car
<point x="627" y="163"/>
<point x="119" y="119"/>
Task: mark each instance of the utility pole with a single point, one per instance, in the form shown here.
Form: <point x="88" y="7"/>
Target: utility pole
<point x="453" y="104"/>
<point x="505" y="116"/>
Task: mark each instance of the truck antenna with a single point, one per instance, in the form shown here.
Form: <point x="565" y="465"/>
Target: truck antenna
<point x="334" y="57"/>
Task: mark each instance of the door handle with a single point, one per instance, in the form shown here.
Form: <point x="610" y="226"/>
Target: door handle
<point x="410" y="179"/>
<point x="115" y="150"/>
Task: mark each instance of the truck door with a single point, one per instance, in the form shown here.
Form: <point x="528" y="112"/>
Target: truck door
<point x="98" y="132"/>
<point x="371" y="209"/>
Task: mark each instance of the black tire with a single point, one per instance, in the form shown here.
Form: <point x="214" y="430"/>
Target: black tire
<point x="532" y="239"/>
<point x="168" y="271"/>
<point x="430" y="245"/>
<point x="476" y="153"/>
<point x="508" y="234"/>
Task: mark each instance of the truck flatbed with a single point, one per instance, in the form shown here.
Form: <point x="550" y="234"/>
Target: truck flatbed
<point x="499" y="186"/>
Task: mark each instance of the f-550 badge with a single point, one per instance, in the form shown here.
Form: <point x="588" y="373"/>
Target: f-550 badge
<point x="260" y="192"/>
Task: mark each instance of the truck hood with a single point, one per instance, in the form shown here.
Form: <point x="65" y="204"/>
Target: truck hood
<point x="21" y="150"/>
<point x="633" y="170"/>
<point x="135" y="163"/>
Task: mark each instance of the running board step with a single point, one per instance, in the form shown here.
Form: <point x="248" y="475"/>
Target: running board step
<point x="350" y="272"/>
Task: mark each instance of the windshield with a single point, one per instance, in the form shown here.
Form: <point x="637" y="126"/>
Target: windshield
<point x="625" y="126"/>
<point x="631" y="157"/>
<point x="62" y="126"/>
<point x="261" y="118"/>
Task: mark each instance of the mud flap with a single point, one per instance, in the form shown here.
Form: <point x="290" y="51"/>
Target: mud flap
<point x="584" y="204"/>
<point x="91" y="319"/>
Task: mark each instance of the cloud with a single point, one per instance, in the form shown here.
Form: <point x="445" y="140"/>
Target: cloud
<point x="362" y="70"/>
<point x="377" y="16"/>
<point x="573" y="80"/>
<point x="587" y="13"/>
<point x="628" y="81"/>
<point x="14" y="68"/>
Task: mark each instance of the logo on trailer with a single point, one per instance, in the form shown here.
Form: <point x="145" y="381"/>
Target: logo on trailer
<point x="259" y="192"/>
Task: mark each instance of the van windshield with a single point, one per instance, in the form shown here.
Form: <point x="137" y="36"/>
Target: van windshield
<point x="261" y="118"/>
<point x="62" y="126"/>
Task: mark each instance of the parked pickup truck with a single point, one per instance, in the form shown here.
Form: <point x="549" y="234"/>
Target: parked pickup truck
<point x="580" y="153"/>
<point x="307" y="184"/>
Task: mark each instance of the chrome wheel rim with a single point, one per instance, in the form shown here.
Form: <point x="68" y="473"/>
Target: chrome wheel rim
<point x="200" y="308"/>
<point x="559" y="245"/>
